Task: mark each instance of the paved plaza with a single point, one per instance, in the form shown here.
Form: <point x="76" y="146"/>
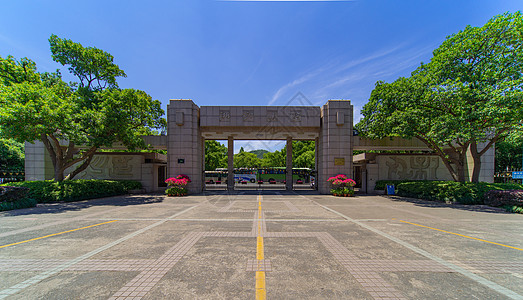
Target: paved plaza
<point x="252" y="245"/>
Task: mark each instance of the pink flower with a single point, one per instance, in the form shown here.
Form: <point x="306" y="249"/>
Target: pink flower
<point x="180" y="180"/>
<point x="349" y="182"/>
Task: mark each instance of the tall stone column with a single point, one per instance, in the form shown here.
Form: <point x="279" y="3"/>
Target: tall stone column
<point x="230" y="164"/>
<point x="335" y="142"/>
<point x="288" y="164"/>
<point x="184" y="142"/>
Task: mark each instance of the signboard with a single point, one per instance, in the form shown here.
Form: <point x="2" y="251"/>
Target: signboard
<point x="517" y="175"/>
<point x="390" y="189"/>
<point x="339" y="161"/>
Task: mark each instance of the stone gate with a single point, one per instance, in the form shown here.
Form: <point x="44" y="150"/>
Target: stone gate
<point x="330" y="126"/>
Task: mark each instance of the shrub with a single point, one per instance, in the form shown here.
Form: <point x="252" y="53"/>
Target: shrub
<point x="381" y="184"/>
<point x="177" y="185"/>
<point x="14" y="198"/>
<point x="75" y="190"/>
<point x="450" y="191"/>
<point x="343" y="186"/>
<point x="12" y="193"/>
<point x="514" y="209"/>
<point x="504" y="198"/>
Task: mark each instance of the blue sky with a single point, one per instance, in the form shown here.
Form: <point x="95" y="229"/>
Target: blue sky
<point x="247" y="52"/>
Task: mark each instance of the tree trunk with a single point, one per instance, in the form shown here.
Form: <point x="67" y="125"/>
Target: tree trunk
<point x="58" y="173"/>
<point x="476" y="158"/>
<point x="455" y="166"/>
<point x="460" y="170"/>
<point x="84" y="165"/>
<point x="64" y="159"/>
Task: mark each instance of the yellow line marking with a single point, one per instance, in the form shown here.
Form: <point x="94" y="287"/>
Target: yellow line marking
<point x="462" y="235"/>
<point x="259" y="249"/>
<point x="50" y="235"/>
<point x="261" y="292"/>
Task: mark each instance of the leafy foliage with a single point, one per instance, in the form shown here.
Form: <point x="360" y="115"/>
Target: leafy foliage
<point x="177" y="186"/>
<point x="259" y="153"/>
<point x="504" y="198"/>
<point x="382" y="184"/>
<point x="470" y="92"/>
<point x="509" y="153"/>
<point x="15" y="198"/>
<point x="246" y="160"/>
<point x="75" y="190"/>
<point x="274" y="159"/>
<point x="93" y="112"/>
<point x="215" y="155"/>
<point x="303" y="153"/>
<point x="450" y="191"/>
<point x="12" y="155"/>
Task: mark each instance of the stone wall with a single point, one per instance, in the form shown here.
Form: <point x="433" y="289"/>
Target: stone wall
<point x="335" y="143"/>
<point x="411" y="167"/>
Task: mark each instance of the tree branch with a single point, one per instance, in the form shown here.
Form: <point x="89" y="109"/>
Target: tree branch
<point x="89" y="156"/>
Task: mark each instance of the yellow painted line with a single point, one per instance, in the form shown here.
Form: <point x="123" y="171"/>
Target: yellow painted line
<point x="259" y="249"/>
<point x="462" y="235"/>
<point x="54" y="234"/>
<point x="261" y="292"/>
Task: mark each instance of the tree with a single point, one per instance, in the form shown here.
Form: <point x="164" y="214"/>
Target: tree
<point x="259" y="153"/>
<point x="470" y="93"/>
<point x="246" y="160"/>
<point x="509" y="153"/>
<point x="215" y="155"/>
<point x="87" y="115"/>
<point x="305" y="160"/>
<point x="303" y="154"/>
<point x="274" y="159"/>
<point x="11" y="155"/>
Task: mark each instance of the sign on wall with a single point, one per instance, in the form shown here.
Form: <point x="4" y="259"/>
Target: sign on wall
<point x="339" y="161"/>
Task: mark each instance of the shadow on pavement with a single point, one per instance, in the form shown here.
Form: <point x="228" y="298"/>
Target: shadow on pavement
<point x="427" y="203"/>
<point x="59" y="207"/>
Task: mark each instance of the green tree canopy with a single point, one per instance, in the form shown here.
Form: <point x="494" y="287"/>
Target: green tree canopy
<point x="303" y="154"/>
<point x="274" y="159"/>
<point x="12" y="156"/>
<point x="469" y="94"/>
<point x="215" y="155"/>
<point x="509" y="153"/>
<point x="259" y="153"/>
<point x="87" y="115"/>
<point x="246" y="160"/>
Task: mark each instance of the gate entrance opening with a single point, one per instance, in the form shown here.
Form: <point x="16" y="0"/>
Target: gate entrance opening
<point x="330" y="126"/>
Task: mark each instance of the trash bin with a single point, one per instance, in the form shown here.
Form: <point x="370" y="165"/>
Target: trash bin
<point x="390" y="189"/>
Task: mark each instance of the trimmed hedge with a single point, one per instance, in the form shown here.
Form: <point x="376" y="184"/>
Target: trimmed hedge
<point x="14" y="198"/>
<point x="75" y="190"/>
<point x="514" y="209"/>
<point x="504" y="198"/>
<point x="21" y="203"/>
<point x="450" y="191"/>
<point x="381" y="184"/>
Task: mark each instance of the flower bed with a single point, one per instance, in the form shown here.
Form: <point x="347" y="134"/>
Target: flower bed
<point x="177" y="185"/>
<point x="342" y="186"/>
